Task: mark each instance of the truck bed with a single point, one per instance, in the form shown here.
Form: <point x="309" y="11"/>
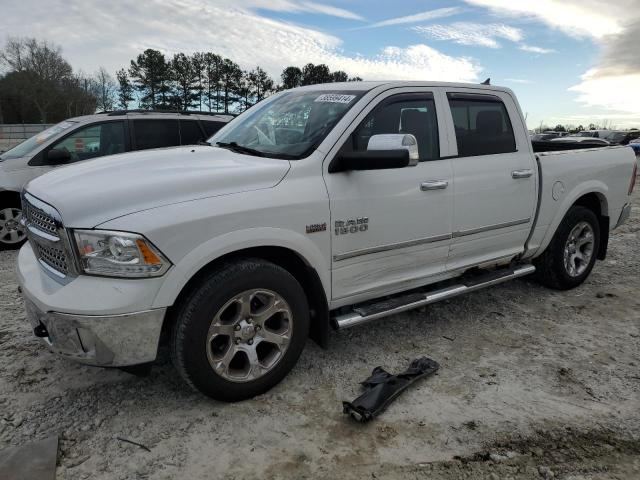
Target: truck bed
<point x="554" y="146"/>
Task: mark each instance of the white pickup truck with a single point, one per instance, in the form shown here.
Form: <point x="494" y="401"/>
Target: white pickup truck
<point x="323" y="206"/>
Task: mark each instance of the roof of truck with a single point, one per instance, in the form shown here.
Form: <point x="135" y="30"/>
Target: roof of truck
<point x="370" y="85"/>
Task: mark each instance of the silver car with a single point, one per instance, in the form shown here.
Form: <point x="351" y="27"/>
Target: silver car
<point x="88" y="137"/>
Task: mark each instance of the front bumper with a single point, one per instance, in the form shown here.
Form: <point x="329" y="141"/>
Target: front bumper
<point x="99" y="321"/>
<point x="105" y="341"/>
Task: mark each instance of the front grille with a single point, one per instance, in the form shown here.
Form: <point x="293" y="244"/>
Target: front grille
<point x="37" y="218"/>
<point x="46" y="234"/>
<point x="56" y="258"/>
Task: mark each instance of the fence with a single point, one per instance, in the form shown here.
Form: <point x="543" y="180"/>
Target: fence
<point x="13" y="134"/>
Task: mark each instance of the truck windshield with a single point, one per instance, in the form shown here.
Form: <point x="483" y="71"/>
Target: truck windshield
<point x="289" y="126"/>
<point x="30" y="144"/>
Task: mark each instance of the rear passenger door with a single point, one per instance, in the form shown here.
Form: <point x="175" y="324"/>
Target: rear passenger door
<point x="494" y="178"/>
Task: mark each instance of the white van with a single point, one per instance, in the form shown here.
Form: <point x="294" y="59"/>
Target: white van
<point x="88" y="137"/>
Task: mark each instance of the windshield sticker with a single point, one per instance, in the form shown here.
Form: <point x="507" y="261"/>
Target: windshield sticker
<point x="335" y="98"/>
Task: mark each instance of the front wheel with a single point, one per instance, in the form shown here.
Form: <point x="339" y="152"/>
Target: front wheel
<point x="571" y="255"/>
<point x="12" y="233"/>
<point x="241" y="330"/>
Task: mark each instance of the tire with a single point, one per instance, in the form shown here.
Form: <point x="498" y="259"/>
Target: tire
<point x="12" y="233"/>
<point x="224" y="367"/>
<point x="551" y="268"/>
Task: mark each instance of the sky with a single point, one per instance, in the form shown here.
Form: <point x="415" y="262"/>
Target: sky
<point x="568" y="61"/>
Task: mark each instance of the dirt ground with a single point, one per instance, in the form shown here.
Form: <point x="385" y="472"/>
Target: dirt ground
<point x="533" y="384"/>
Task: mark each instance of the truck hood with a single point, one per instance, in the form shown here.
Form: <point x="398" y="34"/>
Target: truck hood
<point x="90" y="193"/>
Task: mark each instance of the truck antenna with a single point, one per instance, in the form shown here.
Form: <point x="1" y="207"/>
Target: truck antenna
<point x="487" y="81"/>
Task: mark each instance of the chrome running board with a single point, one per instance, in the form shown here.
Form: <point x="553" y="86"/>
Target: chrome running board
<point x="373" y="311"/>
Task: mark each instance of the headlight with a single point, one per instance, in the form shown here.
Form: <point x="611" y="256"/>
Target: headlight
<point x="118" y="254"/>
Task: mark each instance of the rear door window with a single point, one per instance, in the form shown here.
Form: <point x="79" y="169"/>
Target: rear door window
<point x="190" y="133"/>
<point x="482" y="125"/>
<point x="153" y="133"/>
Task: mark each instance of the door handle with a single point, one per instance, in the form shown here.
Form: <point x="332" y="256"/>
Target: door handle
<point x="434" y="185"/>
<point x="521" y="173"/>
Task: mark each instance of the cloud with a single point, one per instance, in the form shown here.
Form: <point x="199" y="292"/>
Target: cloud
<point x="418" y="17"/>
<point x="534" y="49"/>
<point x="299" y="7"/>
<point x="518" y="80"/>
<point x="241" y="34"/>
<point x="329" y="10"/>
<point x="614" y="92"/>
<point x="466" y="33"/>
<point x="612" y="83"/>
<point x="580" y="18"/>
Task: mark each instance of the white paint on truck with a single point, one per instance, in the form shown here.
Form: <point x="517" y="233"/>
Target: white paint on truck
<point x="364" y="233"/>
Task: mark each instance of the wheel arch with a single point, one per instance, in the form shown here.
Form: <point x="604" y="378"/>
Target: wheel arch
<point x="285" y="257"/>
<point x="597" y="203"/>
<point x="591" y="196"/>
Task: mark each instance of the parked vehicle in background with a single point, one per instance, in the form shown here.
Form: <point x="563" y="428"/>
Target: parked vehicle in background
<point x="581" y="139"/>
<point x="622" y="137"/>
<point x="334" y="204"/>
<point x="543" y="136"/>
<point x="635" y="145"/>
<point x="88" y="137"/>
<point x="592" y="133"/>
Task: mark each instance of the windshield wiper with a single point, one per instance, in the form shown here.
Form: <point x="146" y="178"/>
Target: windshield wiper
<point x="233" y="146"/>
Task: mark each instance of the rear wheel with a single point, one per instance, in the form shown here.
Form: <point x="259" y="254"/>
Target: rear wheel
<point x="571" y="255"/>
<point x="12" y="233"/>
<point x="241" y="330"/>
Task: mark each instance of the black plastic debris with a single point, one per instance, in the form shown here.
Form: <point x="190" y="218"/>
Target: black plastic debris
<point x="381" y="388"/>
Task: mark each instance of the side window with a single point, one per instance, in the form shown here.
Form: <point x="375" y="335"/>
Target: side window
<point x="211" y="127"/>
<point x="93" y="141"/>
<point x="190" y="133"/>
<point x="412" y="113"/>
<point x="482" y="125"/>
<point x="156" y="133"/>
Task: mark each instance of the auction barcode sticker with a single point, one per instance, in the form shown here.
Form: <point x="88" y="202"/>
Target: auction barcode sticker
<point x="335" y="98"/>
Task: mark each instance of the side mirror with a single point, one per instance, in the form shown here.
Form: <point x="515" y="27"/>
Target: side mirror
<point x="383" y="152"/>
<point x="396" y="141"/>
<point x="57" y="156"/>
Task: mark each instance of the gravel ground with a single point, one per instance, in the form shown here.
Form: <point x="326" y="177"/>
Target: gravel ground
<point x="534" y="384"/>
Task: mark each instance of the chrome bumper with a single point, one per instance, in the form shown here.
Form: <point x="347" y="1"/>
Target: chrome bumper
<point x="624" y="215"/>
<point x="105" y="341"/>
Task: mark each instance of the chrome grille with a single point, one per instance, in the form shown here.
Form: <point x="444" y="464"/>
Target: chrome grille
<point x="56" y="258"/>
<point x="37" y="218"/>
<point x="47" y="236"/>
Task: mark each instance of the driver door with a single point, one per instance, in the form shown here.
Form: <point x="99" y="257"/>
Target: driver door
<point x="390" y="229"/>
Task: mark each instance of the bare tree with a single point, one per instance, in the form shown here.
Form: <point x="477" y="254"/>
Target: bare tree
<point x="105" y="89"/>
<point x="43" y="68"/>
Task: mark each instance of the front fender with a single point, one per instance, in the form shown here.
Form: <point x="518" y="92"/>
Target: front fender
<point x="178" y="276"/>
